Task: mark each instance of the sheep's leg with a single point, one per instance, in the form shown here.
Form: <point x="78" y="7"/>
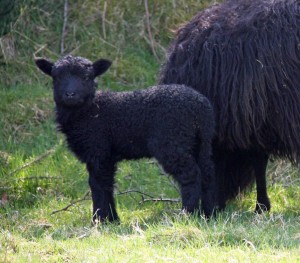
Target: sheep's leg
<point x="235" y="171"/>
<point x="101" y="181"/>
<point x="260" y="167"/>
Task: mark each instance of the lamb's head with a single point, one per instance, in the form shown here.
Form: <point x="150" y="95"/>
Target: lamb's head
<point x="73" y="78"/>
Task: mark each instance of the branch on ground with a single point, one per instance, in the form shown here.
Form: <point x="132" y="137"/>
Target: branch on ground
<point x="84" y="198"/>
<point x="160" y="199"/>
<point x="144" y="200"/>
<point x="36" y="160"/>
<point x="163" y="173"/>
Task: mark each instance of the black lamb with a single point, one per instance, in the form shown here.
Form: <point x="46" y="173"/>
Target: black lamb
<point x="244" y="55"/>
<point x="173" y="123"/>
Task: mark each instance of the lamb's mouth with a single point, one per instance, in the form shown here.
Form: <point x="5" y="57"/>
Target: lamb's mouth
<point x="72" y="102"/>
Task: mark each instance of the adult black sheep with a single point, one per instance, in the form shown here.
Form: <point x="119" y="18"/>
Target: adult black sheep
<point x="244" y="56"/>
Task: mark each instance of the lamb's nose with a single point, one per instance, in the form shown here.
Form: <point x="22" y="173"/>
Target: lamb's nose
<point x="70" y="94"/>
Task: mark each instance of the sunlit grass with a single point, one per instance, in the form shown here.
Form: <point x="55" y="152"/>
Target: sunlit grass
<point x="39" y="175"/>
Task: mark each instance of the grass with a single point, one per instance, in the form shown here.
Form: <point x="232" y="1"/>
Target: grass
<point x="38" y="175"/>
<point x="234" y="236"/>
<point x="150" y="231"/>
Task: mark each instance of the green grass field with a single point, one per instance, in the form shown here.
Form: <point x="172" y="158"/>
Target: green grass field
<point x="45" y="207"/>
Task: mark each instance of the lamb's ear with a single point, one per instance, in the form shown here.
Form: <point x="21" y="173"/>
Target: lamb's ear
<point x="100" y="66"/>
<point x="44" y="65"/>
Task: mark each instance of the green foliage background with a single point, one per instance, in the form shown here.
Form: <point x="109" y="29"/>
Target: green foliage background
<point x="114" y="29"/>
<point x="38" y="174"/>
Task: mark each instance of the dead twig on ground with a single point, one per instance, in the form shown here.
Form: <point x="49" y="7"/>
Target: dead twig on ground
<point x="134" y="191"/>
<point x="144" y="200"/>
<point x="36" y="160"/>
<point x="160" y="199"/>
<point x="151" y="198"/>
<point x="84" y="198"/>
<point x="40" y="178"/>
<point x="171" y="181"/>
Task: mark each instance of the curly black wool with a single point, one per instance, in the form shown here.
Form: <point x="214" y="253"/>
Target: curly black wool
<point x="173" y="123"/>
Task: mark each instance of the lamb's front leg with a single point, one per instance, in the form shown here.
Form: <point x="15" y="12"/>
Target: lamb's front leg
<point x="101" y="181"/>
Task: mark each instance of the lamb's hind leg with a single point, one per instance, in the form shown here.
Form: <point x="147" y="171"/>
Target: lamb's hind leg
<point x="185" y="170"/>
<point x="189" y="179"/>
<point x="208" y="185"/>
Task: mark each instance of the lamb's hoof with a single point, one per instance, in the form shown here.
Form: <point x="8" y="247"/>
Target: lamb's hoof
<point x="208" y="213"/>
<point x="220" y="207"/>
<point x="262" y="207"/>
<point x="97" y="220"/>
